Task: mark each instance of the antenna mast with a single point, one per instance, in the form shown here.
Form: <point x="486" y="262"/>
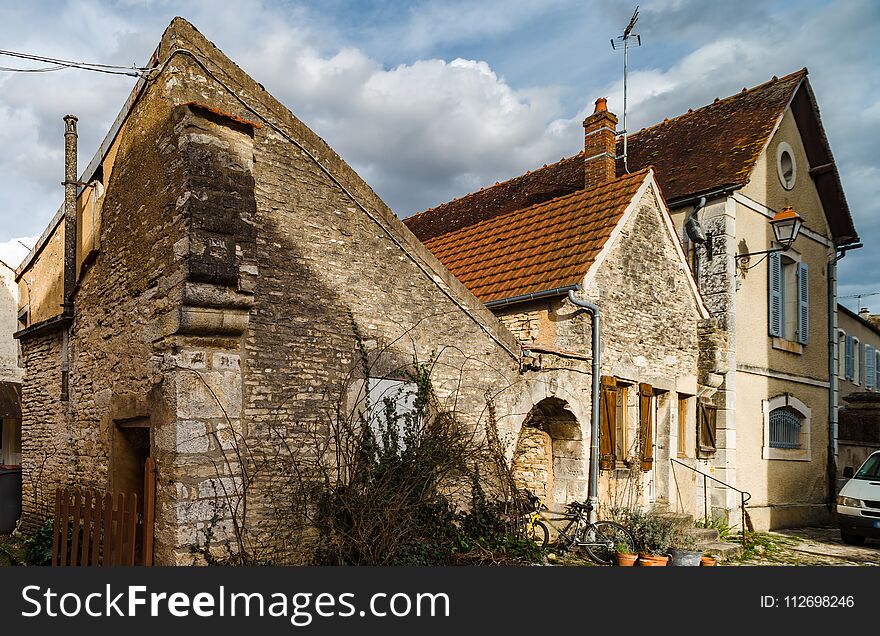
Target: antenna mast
<point x="624" y="42"/>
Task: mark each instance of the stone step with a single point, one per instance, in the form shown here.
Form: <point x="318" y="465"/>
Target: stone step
<point x="703" y="535"/>
<point x="722" y="549"/>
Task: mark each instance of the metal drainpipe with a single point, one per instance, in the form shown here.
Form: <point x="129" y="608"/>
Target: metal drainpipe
<point x="70" y="184"/>
<point x="593" y="492"/>
<point x="833" y="389"/>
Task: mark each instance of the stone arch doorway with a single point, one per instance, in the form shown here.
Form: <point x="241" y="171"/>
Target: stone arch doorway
<point x="549" y="458"/>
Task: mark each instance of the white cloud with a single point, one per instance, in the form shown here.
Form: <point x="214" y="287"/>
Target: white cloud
<point x="430" y="129"/>
<point x="12" y="252"/>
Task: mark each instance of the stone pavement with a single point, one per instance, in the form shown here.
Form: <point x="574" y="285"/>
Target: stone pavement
<point x="809" y="546"/>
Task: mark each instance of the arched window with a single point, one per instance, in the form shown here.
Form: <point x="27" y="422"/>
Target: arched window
<point x="785" y="428"/>
<point x="787" y="424"/>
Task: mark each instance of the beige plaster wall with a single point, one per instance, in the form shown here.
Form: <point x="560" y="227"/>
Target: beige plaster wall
<point x="855" y="327"/>
<point x="784" y="492"/>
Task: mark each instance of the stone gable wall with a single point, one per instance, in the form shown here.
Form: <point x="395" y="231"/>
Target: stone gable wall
<point x="239" y="283"/>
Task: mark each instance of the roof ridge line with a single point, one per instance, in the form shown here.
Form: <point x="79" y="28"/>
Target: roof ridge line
<point x="497" y="184"/>
<point x="720" y="100"/>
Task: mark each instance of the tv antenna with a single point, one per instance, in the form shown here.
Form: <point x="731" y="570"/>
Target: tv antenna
<point x="625" y="41"/>
<point x="860" y="296"/>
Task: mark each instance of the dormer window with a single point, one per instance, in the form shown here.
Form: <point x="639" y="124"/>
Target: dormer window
<point x="786" y="167"/>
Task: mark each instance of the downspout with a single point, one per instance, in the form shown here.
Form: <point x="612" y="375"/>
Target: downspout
<point x="833" y="367"/>
<point x="70" y="185"/>
<point x="593" y="491"/>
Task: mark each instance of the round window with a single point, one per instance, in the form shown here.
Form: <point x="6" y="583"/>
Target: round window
<point x="786" y="168"/>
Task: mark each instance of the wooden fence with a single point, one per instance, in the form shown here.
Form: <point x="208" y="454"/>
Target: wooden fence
<point x="99" y="528"/>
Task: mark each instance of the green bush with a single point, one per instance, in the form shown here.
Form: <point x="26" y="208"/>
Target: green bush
<point x="393" y="503"/>
<point x="38" y="546"/>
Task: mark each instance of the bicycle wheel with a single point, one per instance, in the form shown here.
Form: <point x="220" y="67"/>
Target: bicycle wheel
<point x="602" y="538"/>
<point x="539" y="533"/>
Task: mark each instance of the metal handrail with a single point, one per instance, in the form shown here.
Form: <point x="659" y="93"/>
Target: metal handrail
<point x="744" y="495"/>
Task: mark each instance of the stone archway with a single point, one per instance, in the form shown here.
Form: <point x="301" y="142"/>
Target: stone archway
<point x="550" y="455"/>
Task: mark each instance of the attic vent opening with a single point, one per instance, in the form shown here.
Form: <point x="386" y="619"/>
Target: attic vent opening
<point x="786" y="167"/>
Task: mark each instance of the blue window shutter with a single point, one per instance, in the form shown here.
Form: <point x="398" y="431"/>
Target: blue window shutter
<point x="803" y="304"/>
<point x="860" y="371"/>
<point x="775" y="300"/>
<point x="869" y="367"/>
<point x="850" y="363"/>
<point x="877" y="369"/>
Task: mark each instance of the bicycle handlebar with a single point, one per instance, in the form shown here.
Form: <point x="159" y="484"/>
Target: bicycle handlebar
<point x="581" y="506"/>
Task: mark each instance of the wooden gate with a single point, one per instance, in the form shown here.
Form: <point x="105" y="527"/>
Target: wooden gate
<point x="97" y="528"/>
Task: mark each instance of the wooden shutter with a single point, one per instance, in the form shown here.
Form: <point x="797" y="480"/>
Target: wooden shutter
<point x="607" y="425"/>
<point x="850" y="363"/>
<point x="869" y="367"/>
<point x="646" y="401"/>
<point x="706" y="417"/>
<point x="775" y="289"/>
<point x="803" y="304"/>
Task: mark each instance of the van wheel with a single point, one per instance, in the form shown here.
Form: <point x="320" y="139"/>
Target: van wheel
<point x="852" y="539"/>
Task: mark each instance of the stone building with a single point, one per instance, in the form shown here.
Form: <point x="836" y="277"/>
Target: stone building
<point x="728" y="167"/>
<point x="233" y="283"/>
<point x="10" y="371"/>
<point x="611" y="242"/>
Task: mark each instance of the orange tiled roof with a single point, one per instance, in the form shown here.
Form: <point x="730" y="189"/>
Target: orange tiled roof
<point x="563" y="177"/>
<point x="544" y="246"/>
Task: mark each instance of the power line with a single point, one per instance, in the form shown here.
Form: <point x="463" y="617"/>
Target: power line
<point x="60" y="64"/>
<point x="862" y="295"/>
<point x="45" y="69"/>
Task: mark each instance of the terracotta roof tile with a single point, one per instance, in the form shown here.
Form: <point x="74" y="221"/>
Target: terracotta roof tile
<point x="547" y="245"/>
<point x="558" y="179"/>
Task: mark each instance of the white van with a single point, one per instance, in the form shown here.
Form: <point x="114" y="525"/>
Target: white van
<point x="858" y="504"/>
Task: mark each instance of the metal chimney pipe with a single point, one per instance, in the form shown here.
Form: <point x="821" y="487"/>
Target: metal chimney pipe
<point x="70" y="185"/>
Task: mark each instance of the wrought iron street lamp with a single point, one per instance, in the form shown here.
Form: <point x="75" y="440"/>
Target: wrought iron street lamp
<point x="786" y="226"/>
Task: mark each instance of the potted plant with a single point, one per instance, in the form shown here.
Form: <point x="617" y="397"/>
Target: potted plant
<point x="652" y="532"/>
<point x="625" y="558"/>
<point x="683" y="550"/>
<point x="707" y="560"/>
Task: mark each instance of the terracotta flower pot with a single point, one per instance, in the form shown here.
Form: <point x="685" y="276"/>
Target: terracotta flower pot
<point x="626" y="559"/>
<point x="653" y="560"/>
<point x="707" y="561"/>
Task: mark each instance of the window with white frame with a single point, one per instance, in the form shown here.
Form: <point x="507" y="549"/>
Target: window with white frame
<point x="789" y="290"/>
<point x="841" y="353"/>
<point x="785" y="428"/>
<point x="390" y="409"/>
<point x="787" y="423"/>
<point x="786" y="167"/>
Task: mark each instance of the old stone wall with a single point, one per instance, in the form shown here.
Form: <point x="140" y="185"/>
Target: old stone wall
<point x="9" y="369"/>
<point x="45" y="435"/>
<point x="247" y="284"/>
<point x="340" y="290"/>
<point x="650" y="321"/>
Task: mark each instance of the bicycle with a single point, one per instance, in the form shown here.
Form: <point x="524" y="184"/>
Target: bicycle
<point x="600" y="539"/>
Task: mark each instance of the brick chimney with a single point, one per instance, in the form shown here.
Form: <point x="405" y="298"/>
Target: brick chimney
<point x="599" y="146"/>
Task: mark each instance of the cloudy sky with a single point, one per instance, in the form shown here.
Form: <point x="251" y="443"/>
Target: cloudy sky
<point x="432" y="99"/>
